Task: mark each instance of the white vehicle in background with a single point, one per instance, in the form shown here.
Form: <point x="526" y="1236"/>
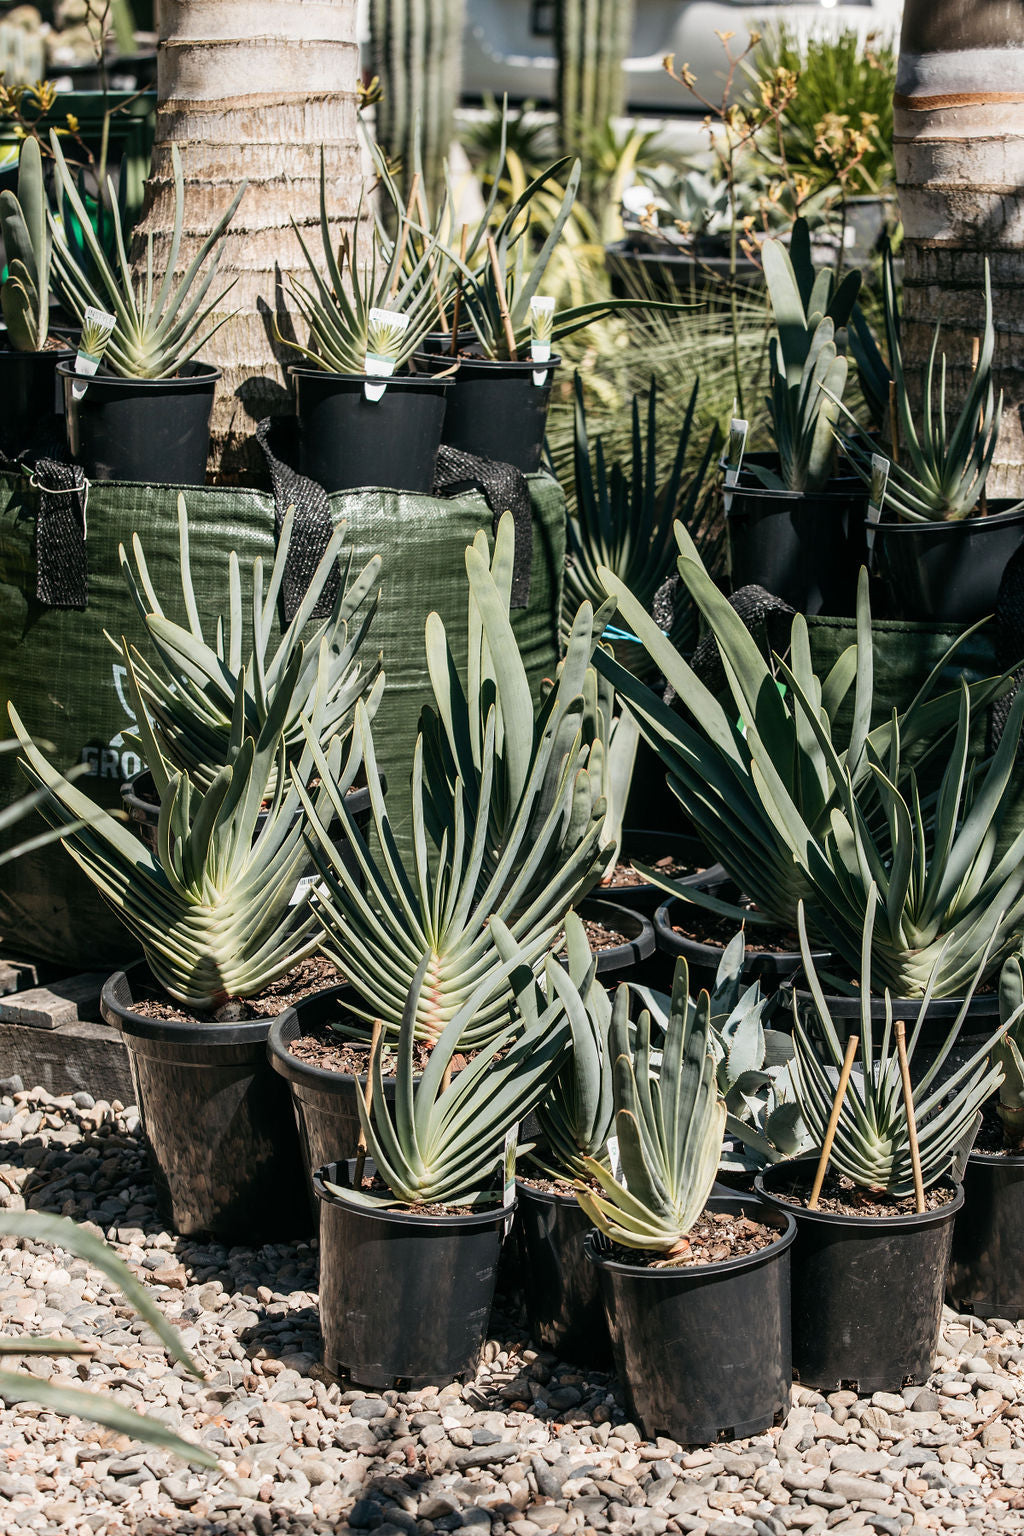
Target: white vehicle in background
<point x="509" y="45"/>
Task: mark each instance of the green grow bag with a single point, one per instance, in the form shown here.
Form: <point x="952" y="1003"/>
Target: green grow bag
<point x="68" y="684"/>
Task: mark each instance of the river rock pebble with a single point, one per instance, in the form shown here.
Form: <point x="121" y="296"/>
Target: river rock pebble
<point x="532" y="1447"/>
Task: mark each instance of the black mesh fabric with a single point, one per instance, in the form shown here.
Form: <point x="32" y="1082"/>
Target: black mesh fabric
<point x="764" y="615"/>
<point x="62" y="563"/>
<point x="505" y="489"/>
<point x="311" y="528"/>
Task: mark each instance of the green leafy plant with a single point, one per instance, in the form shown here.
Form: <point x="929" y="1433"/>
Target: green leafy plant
<point x="872" y="1143"/>
<point x="213" y="906"/>
<point x="1009" y="1052"/>
<point x="443" y="1143"/>
<point x="937" y="472"/>
<point x="25" y="292"/>
<point x="51" y="1393"/>
<point x="192" y="689"/>
<point x="508" y="812"/>
<point x="161" y="322"/>
<point x="669" y="1120"/>
<point x="624" y="519"/>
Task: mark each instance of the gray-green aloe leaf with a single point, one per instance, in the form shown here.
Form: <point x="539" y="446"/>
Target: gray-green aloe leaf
<point x="669" y="1119"/>
<point x="98" y="1407"/>
<point x="872" y="1143"/>
<point x="25" y="292"/>
<point x="191" y="688"/>
<point x="1009" y="1052"/>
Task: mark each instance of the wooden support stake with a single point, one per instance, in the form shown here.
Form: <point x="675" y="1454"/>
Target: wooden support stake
<point x="378" y="1027"/>
<point x="833" y="1121"/>
<point x="900" y="1031"/>
<point x="457" y="306"/>
<point x="506" y="318"/>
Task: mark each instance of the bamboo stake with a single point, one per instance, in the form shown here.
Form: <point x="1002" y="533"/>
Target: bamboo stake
<point x="499" y="284"/>
<point x="453" y="351"/>
<point x="833" y="1121"/>
<point x="403" y="242"/>
<point x="368" y="1101"/>
<point x="900" y="1031"/>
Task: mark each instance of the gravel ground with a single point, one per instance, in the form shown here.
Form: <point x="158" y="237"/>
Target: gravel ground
<point x="531" y="1447"/>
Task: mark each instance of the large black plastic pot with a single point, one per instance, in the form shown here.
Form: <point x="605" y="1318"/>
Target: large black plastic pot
<point x="771" y="968"/>
<point x="867" y="1291"/>
<point x="703" y="1352"/>
<point x="627" y="961"/>
<point x="405" y="1298"/>
<point x="805" y="547"/>
<point x="647" y="848"/>
<point x="218" y="1126"/>
<point x="980" y="1025"/>
<point x="347" y="440"/>
<point x="561" y="1288"/>
<point x="948" y="573"/>
<point x="495" y="409"/>
<point x="28" y="389"/>
<point x="324" y="1103"/>
<point x="640" y="266"/>
<point x="986" y="1275"/>
<point x="154" y="431"/>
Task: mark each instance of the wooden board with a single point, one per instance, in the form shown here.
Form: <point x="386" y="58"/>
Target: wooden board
<point x="83" y="1056"/>
<point x="59" y="1003"/>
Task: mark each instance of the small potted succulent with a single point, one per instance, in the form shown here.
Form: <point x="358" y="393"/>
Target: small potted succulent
<point x="875" y="1206"/>
<point x="30" y="351"/>
<point x="678" y="227"/>
<point x="410" y="1235"/>
<point x="363" y="419"/>
<point x="695" y="1285"/>
<point x="142" y="411"/>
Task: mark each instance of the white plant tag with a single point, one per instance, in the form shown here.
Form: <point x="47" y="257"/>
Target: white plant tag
<point x="97" y="329"/>
<point x="302" y="890"/>
<point x="880" y="467"/>
<point x="615" y="1160"/>
<point x="732" y="456"/>
<point x="376" y="365"/>
<point x="509" y="1165"/>
<point x="542" y="311"/>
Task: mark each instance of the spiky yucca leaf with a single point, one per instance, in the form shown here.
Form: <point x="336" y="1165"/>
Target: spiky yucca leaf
<point x="872" y="1143"/>
<point x="190" y="691"/>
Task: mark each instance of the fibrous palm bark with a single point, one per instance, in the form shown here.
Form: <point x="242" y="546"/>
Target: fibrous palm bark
<point x="959" y="145"/>
<point x="251" y="89"/>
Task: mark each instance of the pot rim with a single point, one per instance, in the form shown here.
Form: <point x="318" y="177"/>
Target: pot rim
<point x="404" y="380"/>
<point x="491" y="1217"/>
<point x="543" y="1196"/>
<point x="774" y="1250"/>
<point x="860" y="1223"/>
<point x="204" y="373"/>
<point x="620" y="919"/>
<point x="937" y="1008"/>
<point x="996" y="1159"/>
<point x="58" y="354"/>
<point x="783" y="499"/>
<point x="632" y="835"/>
<point x="943" y="528"/>
<point x="178" y="1031"/>
<point x="487" y="363"/>
<point x="708" y="954"/>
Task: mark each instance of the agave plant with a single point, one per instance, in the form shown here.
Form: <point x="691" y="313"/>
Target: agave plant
<point x="213" y="907"/>
<point x="444" y="1140"/>
<point x="161" y="323"/>
<point x="624" y="520"/>
<point x="1009" y="1052"/>
<point x="508" y="814"/>
<point x="872" y="1140"/>
<point x="762" y="797"/>
<point x="937" y="472"/>
<point x="51" y="1393"/>
<point x="807" y="373"/>
<point x="25" y="292"/>
<point x="669" y="1120"/>
<point x="190" y="692"/>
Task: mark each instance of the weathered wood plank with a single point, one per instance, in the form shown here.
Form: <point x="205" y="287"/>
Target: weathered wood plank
<point x="59" y="1003"/>
<point x="80" y="1056"/>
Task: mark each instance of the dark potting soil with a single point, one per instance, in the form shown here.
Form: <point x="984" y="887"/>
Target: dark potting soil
<point x="704" y="927"/>
<point x="377" y="1186"/>
<point x="991" y="1138"/>
<point x="673" y="869"/>
<point x="546" y="1186"/>
<point x="841" y="1197"/>
<point x="716" y="1236"/>
<point x="321" y="1046"/>
<point x="600" y="938"/>
<point x="312" y="975"/>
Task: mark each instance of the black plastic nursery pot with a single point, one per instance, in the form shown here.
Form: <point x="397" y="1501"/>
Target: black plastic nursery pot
<point x="867" y="1291"/>
<point x="348" y="440"/>
<point x="703" y="1351"/>
<point x="561" y="1288"/>
<point x="496" y="410"/>
<point x="805" y="547"/>
<point x="28" y="389"/>
<point x="980" y="1024"/>
<point x="947" y="572"/>
<point x="217" y="1121"/>
<point x="405" y="1297"/>
<point x="663" y="270"/>
<point x="324" y="1102"/>
<point x="986" y="1275"/>
<point x="153" y="431"/>
<point x="626" y="961"/>
<point x="770" y="967"/>
<point x="648" y="848"/>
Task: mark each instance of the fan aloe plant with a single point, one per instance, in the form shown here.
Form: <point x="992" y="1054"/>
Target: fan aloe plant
<point x="508" y="813"/>
<point x="444" y="1141"/>
<point x="937" y="472"/>
<point x="213" y="907"/>
<point x="52" y="1393"/>
<point x="624" y="520"/>
<point x="1009" y="1052"/>
<point x="669" y="1120"/>
<point x="161" y="322"/>
<point x="807" y="372"/>
<point x="25" y="292"/>
<point x="872" y="1142"/>
<point x="191" y="690"/>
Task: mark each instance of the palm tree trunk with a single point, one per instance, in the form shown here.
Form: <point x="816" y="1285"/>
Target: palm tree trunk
<point x="959" y="147"/>
<point x="251" y="89"/>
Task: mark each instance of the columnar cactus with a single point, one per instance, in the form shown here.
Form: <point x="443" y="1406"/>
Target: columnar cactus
<point x="593" y="40"/>
<point x="416" y="48"/>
